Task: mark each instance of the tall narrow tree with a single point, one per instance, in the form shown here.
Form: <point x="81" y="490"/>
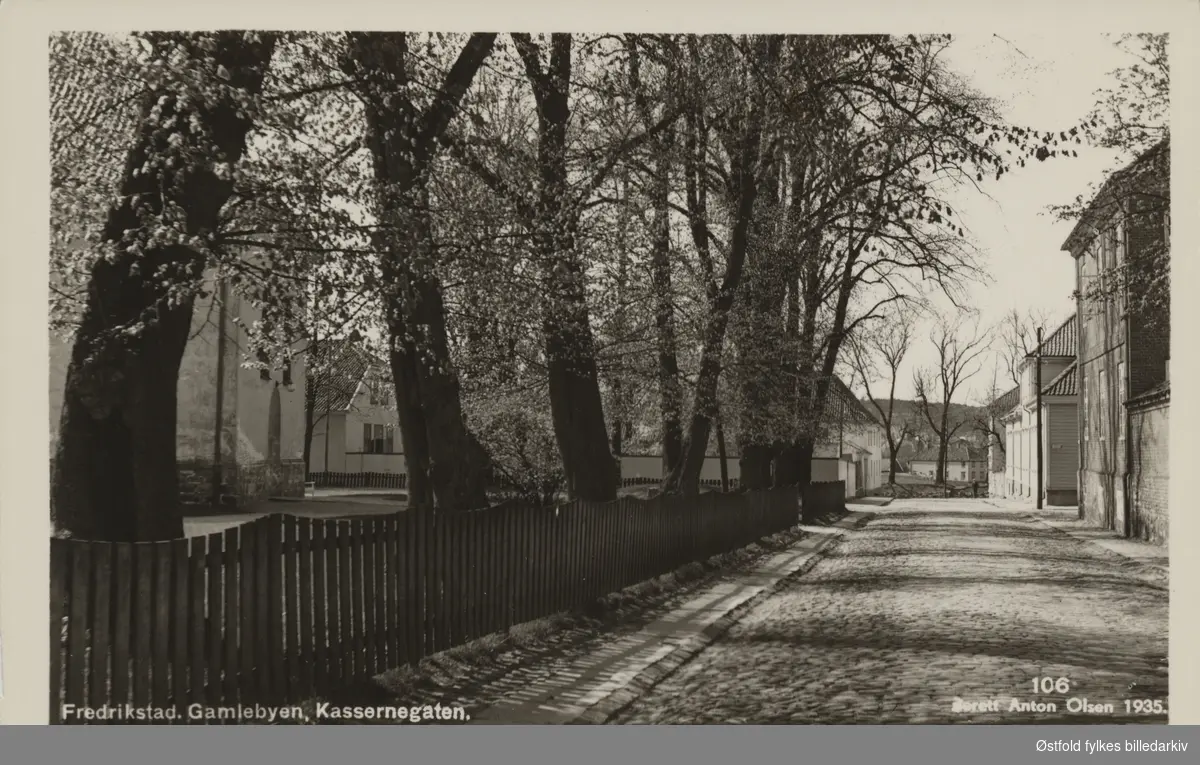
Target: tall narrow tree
<point x="883" y="351"/>
<point x="959" y="344"/>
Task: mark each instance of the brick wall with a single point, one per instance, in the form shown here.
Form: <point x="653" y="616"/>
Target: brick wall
<point x="196" y="481"/>
<point x="1149" y="475"/>
<point x="259" y="480"/>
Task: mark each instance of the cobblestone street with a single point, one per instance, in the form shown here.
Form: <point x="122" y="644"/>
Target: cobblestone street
<point x="930" y="601"/>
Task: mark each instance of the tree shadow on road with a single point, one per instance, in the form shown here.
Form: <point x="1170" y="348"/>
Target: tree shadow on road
<point x="1090" y="650"/>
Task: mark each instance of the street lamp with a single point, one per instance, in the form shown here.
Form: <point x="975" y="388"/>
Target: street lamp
<point x="1038" y="383"/>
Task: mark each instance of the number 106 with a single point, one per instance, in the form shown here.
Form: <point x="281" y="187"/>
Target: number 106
<point x="1051" y="685"/>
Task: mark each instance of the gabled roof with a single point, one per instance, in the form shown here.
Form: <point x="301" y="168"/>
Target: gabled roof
<point x="1008" y="401"/>
<point x="855" y="412"/>
<point x="336" y="368"/>
<point x="1062" y="342"/>
<point x="1066" y="384"/>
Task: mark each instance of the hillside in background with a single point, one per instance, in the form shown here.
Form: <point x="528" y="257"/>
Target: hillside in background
<point x="911" y="411"/>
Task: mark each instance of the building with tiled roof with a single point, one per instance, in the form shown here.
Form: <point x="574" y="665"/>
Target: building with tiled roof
<point x="355" y="423"/>
<point x="1013" y="462"/>
<point x="964" y="462"/>
<point x="1066" y="384"/>
<point x="853" y="443"/>
<point x="1061" y="343"/>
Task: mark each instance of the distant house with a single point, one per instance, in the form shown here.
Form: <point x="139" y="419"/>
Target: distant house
<point x="964" y="462"/>
<point x="1060" y="413"/>
<point x="239" y="428"/>
<point x="904" y="456"/>
<point x="355" y="424"/>
<point x="853" y="446"/>
<point x="1125" y="348"/>
<point x="998" y="441"/>
<point x="851" y="450"/>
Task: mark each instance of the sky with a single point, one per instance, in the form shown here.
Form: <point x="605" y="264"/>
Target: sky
<point x="1046" y="82"/>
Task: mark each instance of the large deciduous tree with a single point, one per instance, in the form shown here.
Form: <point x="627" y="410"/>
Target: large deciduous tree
<point x="115" y="475"/>
<point x="447" y="465"/>
<point x="734" y="116"/>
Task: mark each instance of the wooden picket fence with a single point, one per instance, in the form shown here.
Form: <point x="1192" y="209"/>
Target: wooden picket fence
<point x="359" y="480"/>
<point x="286" y="608"/>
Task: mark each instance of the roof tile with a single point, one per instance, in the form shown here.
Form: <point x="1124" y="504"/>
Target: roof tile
<point x="1062" y="342"/>
<point x="1066" y="384"/>
<point x="339" y="366"/>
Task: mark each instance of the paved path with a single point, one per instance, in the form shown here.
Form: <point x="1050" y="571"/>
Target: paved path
<point x="591" y="686"/>
<point x="931" y="601"/>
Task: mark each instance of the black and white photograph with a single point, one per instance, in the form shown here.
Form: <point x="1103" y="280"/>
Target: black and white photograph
<point x="609" y="378"/>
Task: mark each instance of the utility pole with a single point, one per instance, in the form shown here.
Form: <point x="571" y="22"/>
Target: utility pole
<point x="1038" y="383"/>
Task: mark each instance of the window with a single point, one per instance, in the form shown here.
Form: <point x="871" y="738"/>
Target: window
<point x="1120" y="400"/>
<point x="1102" y="389"/>
<point x="378" y="439"/>
<point x="380" y="395"/>
<point x="265" y="360"/>
<point x="372" y="438"/>
<point x="1083" y="408"/>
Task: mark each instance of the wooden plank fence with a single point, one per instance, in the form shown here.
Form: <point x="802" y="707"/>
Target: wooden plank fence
<point x="285" y="608"/>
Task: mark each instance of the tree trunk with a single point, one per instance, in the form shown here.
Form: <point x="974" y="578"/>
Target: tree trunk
<point x="578" y="415"/>
<point x="940" y="477"/>
<point x="671" y="394"/>
<point x="448" y="467"/>
<point x="684" y="476"/>
<point x="575" y="403"/>
<point x="310" y="425"/>
<point x="891" y="462"/>
<point x="755" y="466"/>
<point x="115" y="471"/>
<point x="760" y="333"/>
<point x="790" y="464"/>
<point x="744" y="147"/>
<point x="618" y="424"/>
<point x="793" y="466"/>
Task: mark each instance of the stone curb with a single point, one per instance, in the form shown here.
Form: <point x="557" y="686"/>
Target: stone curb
<point x="1158" y="568"/>
<point x="615" y="702"/>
